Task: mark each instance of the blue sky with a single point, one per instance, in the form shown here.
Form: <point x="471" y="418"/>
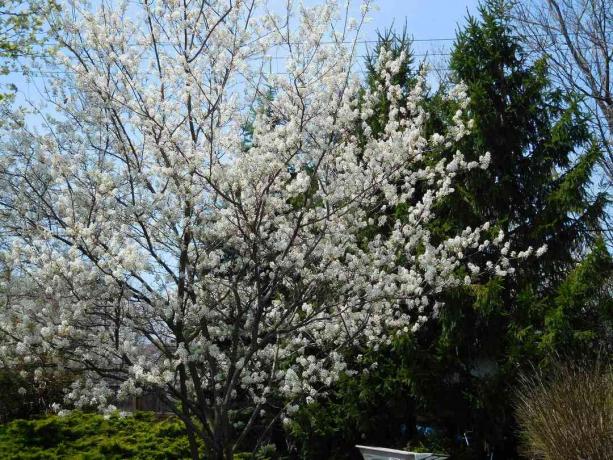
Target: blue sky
<point x="425" y="19"/>
<point x="432" y="23"/>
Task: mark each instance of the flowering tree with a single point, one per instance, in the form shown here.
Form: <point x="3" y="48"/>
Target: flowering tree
<point x="225" y="267"/>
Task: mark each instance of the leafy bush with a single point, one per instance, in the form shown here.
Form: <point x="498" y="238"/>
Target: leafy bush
<point x="569" y="414"/>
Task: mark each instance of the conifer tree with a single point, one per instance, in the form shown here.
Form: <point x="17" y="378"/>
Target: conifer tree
<point x="542" y="164"/>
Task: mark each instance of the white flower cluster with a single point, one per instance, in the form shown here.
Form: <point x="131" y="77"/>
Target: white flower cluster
<point x="172" y="249"/>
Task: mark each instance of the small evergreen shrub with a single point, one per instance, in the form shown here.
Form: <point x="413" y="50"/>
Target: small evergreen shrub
<point x="92" y="436"/>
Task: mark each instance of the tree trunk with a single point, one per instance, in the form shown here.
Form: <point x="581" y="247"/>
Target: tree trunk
<point x="193" y="445"/>
<point x="220" y="453"/>
<point x="222" y="448"/>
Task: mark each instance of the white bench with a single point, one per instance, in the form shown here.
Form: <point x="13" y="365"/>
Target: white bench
<point x="381" y="453"/>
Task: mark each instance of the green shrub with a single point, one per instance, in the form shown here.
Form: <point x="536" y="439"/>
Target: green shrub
<point x="92" y="436"/>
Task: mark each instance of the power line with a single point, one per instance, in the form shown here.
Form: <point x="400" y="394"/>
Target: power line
<point x="48" y="73"/>
<point x="52" y="45"/>
<point x="265" y="58"/>
<point x="323" y="42"/>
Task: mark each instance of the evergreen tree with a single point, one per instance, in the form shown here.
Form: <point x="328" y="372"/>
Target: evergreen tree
<point x="457" y="374"/>
<point x="542" y="162"/>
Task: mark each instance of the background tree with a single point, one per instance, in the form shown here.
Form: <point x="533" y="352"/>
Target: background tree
<point x="576" y="36"/>
<point x="457" y="373"/>
<point x="543" y="159"/>
<point x="21" y="29"/>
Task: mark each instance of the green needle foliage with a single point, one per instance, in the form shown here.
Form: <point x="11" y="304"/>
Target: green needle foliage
<point x="91" y="436"/>
<point x="542" y="161"/>
<point x="457" y="374"/>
